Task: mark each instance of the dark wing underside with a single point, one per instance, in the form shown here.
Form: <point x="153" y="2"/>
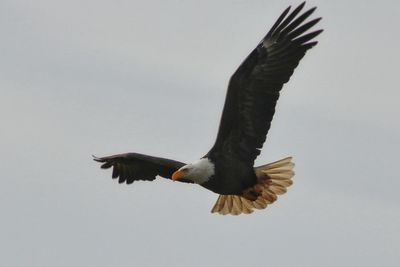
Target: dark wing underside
<point x="132" y="167"/>
<point x="254" y="88"/>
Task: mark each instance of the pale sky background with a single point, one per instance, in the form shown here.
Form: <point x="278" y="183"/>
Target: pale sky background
<point x="102" y="77"/>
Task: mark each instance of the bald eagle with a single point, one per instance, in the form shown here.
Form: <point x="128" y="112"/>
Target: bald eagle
<point x="253" y="90"/>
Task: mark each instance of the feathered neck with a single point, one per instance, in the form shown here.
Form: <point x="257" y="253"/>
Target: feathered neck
<point x="201" y="171"/>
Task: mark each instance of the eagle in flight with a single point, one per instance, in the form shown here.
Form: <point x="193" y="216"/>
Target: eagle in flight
<point x="228" y="168"/>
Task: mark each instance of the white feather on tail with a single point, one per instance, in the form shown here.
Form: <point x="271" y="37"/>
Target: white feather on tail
<point x="273" y="180"/>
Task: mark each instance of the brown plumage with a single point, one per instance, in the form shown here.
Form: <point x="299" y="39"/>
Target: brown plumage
<point x="253" y="91"/>
<point x="273" y="179"/>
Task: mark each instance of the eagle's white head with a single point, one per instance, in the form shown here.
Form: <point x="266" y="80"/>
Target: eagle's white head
<point x="198" y="172"/>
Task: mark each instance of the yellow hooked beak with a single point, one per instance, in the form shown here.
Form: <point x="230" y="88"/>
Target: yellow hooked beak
<point x="179" y="174"/>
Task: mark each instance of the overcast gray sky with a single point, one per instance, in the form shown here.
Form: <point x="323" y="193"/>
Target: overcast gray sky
<point x="102" y="77"/>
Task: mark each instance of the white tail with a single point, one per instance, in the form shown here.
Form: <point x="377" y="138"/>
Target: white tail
<point x="273" y="179"/>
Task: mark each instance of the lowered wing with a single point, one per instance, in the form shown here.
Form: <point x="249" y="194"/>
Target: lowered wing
<point x="130" y="167"/>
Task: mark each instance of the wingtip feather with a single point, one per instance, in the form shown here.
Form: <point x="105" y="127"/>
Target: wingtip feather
<point x="97" y="159"/>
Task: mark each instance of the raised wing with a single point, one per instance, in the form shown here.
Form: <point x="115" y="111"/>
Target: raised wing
<point x="132" y="167"/>
<point x="254" y="88"/>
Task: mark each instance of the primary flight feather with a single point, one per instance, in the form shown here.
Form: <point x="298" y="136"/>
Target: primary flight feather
<point x="228" y="168"/>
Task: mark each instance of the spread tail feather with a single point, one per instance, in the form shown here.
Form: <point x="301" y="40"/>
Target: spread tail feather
<point x="273" y="180"/>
